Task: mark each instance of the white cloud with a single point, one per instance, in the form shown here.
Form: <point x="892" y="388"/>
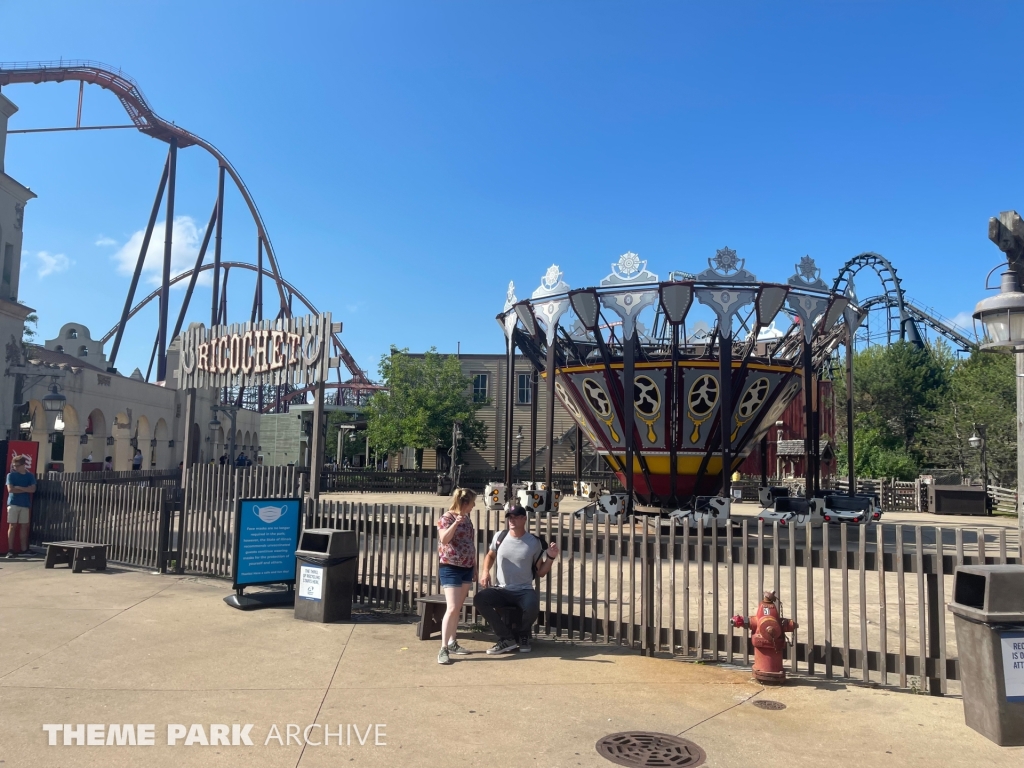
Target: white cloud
<point x="964" y="320"/>
<point x="50" y="264"/>
<point x="106" y="241"/>
<point x="186" y="239"/>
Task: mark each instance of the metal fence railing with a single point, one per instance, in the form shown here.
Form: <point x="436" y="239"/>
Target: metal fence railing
<point x="364" y="481"/>
<point x="127" y="517"/>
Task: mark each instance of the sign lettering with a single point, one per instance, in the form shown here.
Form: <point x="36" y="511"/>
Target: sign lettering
<point x="288" y="351"/>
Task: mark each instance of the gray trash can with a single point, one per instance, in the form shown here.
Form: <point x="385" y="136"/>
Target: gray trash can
<point x="444" y="485"/>
<point x="325" y="574"/>
<point x="988" y="612"/>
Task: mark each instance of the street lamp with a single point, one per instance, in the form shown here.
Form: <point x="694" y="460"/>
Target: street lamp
<point x="979" y="441"/>
<point x="54" y="401"/>
<point x="1003" y="316"/>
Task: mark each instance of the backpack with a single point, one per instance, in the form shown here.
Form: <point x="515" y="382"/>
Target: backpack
<point x="502" y="535"/>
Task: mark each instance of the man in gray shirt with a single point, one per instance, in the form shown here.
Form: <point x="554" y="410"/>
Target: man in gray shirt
<point x="520" y="557"/>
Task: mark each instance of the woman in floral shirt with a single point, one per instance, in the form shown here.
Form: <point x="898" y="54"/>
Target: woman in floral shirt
<point x="456" y="549"/>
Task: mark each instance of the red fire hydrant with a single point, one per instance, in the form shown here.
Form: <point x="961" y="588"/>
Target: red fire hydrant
<point x="768" y="637"/>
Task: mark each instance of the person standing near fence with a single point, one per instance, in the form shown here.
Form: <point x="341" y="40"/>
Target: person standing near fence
<point x="456" y="549"/>
<point x="21" y="484"/>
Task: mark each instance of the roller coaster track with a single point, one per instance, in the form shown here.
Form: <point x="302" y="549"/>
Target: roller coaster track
<point x="903" y="315"/>
<point x="957" y="335"/>
<point x="142" y="115"/>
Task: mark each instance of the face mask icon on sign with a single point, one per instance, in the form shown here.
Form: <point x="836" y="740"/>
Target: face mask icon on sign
<point x="268" y="514"/>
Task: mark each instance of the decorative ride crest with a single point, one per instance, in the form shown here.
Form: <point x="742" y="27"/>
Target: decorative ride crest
<point x="726" y="265"/>
<point x="726" y="302"/>
<point x="550" y="312"/>
<point x="808" y="307"/>
<point x="510" y="315"/>
<point x="551" y="283"/>
<point x="808" y="276"/>
<point x="630" y="268"/>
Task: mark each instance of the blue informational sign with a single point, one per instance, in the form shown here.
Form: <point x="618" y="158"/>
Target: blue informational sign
<point x="266" y="536"/>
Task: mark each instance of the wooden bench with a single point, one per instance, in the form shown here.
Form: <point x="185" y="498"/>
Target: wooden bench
<point x="431" y="610"/>
<point x="77" y="554"/>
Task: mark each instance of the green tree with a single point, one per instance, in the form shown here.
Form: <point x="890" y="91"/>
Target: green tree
<point x="982" y="390"/>
<point x="898" y="392"/>
<point x="424" y="397"/>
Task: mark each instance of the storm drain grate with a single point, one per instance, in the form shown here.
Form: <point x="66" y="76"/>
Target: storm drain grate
<point x="650" y="750"/>
<point x="769" y="704"/>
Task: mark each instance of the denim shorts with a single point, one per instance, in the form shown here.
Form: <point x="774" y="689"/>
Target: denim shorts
<point x="454" y="576"/>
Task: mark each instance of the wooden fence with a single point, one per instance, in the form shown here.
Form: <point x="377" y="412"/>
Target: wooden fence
<point x="208" y="510"/>
<point x="869" y="600"/>
<point x="127" y="517"/>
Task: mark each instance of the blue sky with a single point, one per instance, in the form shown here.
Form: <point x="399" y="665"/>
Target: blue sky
<point x="410" y="159"/>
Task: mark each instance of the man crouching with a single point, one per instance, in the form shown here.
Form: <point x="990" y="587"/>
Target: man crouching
<point x="521" y="557"/>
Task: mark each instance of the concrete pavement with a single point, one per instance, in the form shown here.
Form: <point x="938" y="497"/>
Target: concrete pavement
<point x="128" y="646"/>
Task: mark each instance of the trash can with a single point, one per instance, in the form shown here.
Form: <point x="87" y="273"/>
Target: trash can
<point x="444" y="485"/>
<point x="988" y="612"/>
<point x="325" y="574"/>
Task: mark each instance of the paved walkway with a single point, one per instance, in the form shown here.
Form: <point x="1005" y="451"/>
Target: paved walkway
<point x="127" y="646"/>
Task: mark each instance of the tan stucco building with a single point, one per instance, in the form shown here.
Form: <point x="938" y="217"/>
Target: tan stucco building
<point x="13" y="198"/>
<point x="488" y="376"/>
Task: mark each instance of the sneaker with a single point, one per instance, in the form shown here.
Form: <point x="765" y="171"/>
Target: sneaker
<point x="503" y="646"/>
<point x="456" y="649"/>
<point x="524" y="645"/>
<point x="443" y="657"/>
<point x="10" y="554"/>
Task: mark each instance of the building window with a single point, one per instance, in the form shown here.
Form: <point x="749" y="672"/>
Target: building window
<point x="73" y="333"/>
<point x="60" y="349"/>
<point x="479" y="387"/>
<point x="525" y="389"/>
<point x="83" y="351"/>
<point x="5" y="285"/>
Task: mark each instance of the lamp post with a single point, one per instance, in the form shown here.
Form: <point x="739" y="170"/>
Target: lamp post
<point x="1003" y="317"/>
<point x="232" y="413"/>
<point x="519" y="450"/>
<point x="53" y="405"/>
<point x="979" y="440"/>
<point x="453" y="470"/>
<point x="344" y="431"/>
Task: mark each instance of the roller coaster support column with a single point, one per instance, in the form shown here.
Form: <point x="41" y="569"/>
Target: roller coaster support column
<point x="138" y="265"/>
<point x="215" y="306"/>
<point x="195" y="272"/>
<point x="165" y="282"/>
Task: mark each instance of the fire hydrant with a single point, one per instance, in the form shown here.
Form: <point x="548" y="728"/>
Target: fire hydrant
<point x="768" y="637"/>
